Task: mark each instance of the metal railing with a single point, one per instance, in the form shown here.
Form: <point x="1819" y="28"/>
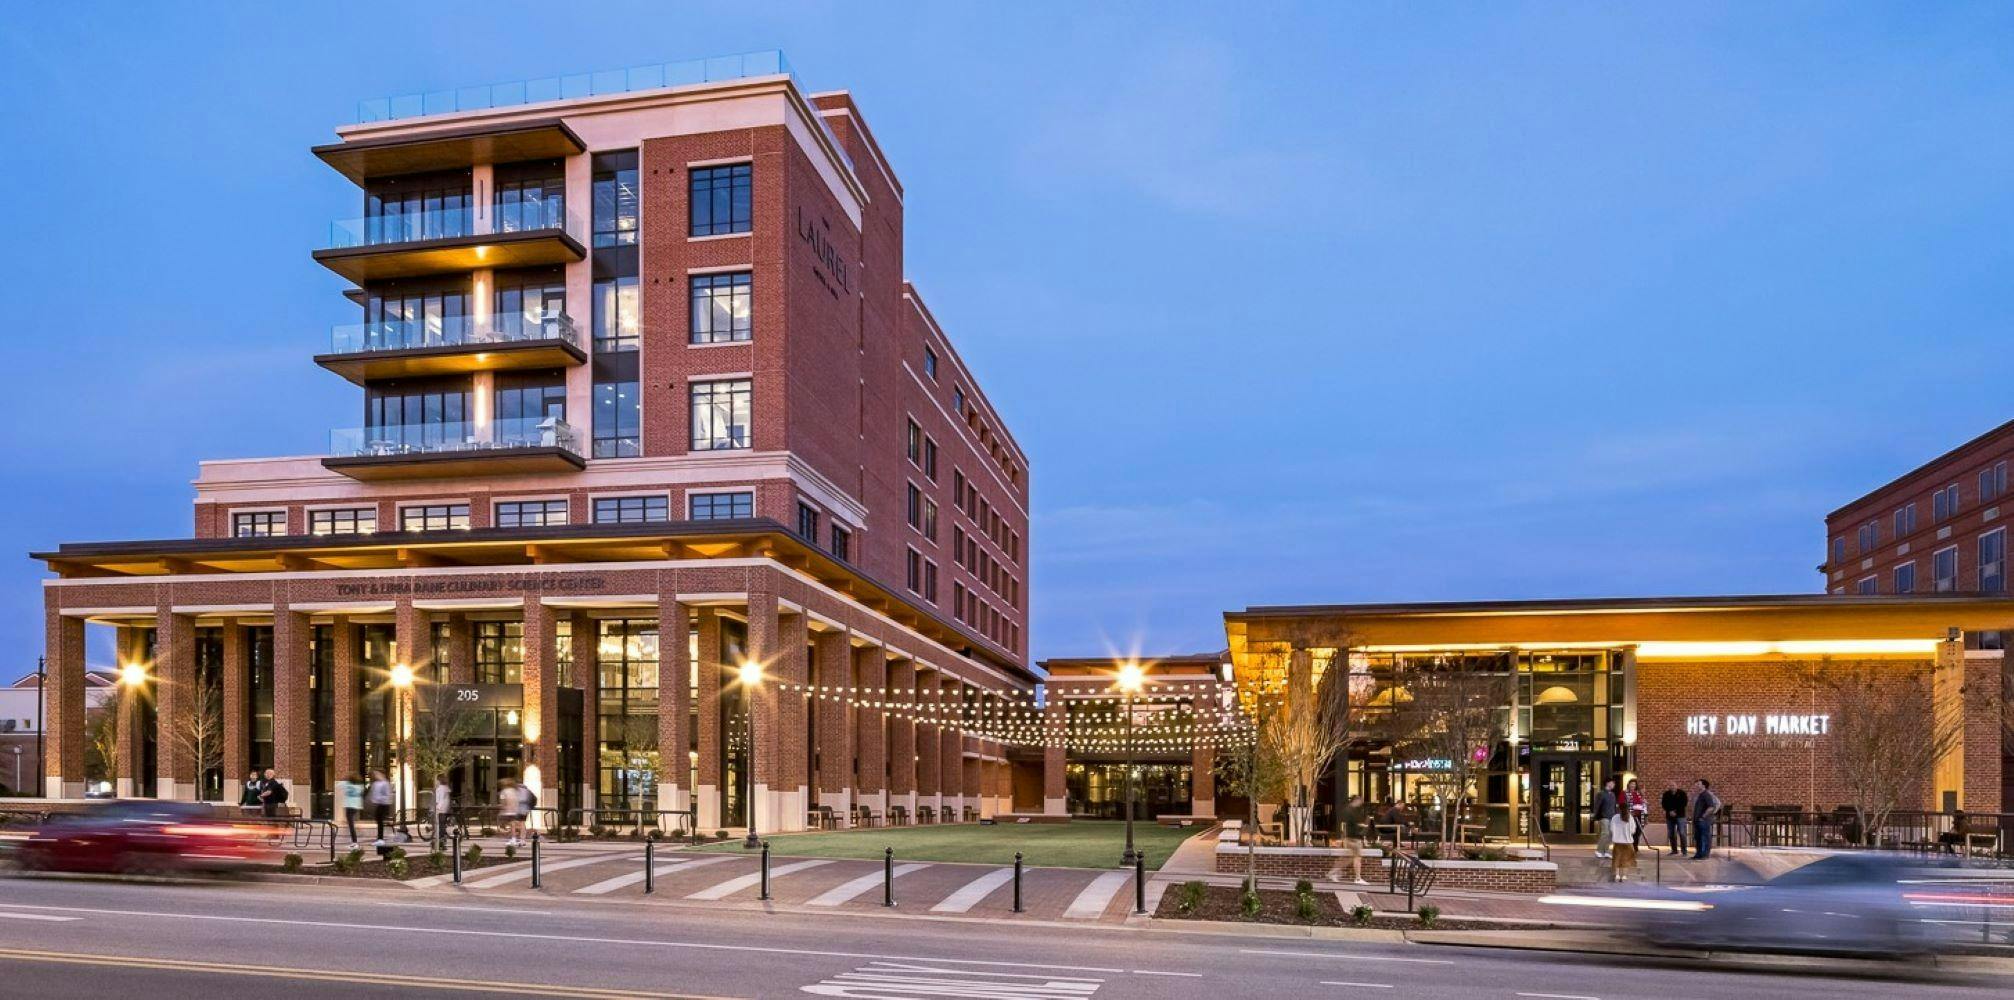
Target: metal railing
<point x="450" y="331"/>
<point x="1985" y="834"/>
<point x="506" y="434"/>
<point x="393" y="230"/>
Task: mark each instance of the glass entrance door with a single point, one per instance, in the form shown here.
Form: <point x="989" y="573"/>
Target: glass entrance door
<point x="1564" y="795"/>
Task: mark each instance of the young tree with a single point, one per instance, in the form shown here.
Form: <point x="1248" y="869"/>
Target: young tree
<point x="439" y="739"/>
<point x="1887" y="736"/>
<point x="1249" y="768"/>
<point x="101" y="731"/>
<point x="1452" y="718"/>
<point x="1309" y="727"/>
<point x="199" y="733"/>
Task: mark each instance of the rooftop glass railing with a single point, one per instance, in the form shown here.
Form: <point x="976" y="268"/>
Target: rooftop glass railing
<point x="391" y="230"/>
<point x="450" y="331"/>
<point x="503" y="434"/>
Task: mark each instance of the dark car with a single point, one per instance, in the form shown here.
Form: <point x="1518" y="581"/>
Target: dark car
<point x="137" y="836"/>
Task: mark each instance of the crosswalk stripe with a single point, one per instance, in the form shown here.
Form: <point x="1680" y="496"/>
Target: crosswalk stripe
<point x="842" y="893"/>
<point x="1090" y="904"/>
<point x="972" y="892"/>
<point x="734" y="885"/>
<point x="545" y="868"/>
<point x="628" y="879"/>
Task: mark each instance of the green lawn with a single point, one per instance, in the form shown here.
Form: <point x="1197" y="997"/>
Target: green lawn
<point x="1076" y="844"/>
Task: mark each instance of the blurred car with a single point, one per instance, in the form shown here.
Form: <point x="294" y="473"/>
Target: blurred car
<point x="142" y="836"/>
<point x="1857" y="903"/>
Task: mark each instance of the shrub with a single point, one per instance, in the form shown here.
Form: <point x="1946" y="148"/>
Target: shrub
<point x="397" y="854"/>
<point x="473" y="854"/>
<point x="489" y="831"/>
<point x="290" y="863"/>
<point x="1248" y="903"/>
<point x="1305" y="907"/>
<point x="1304" y="887"/>
<point x="1430" y="851"/>
<point x="343" y="865"/>
<point x="1487" y="854"/>
<point x="598" y="830"/>
<point x="510" y="851"/>
<point x="355" y="858"/>
<point x="398" y="867"/>
<point x="720" y="834"/>
<point x="438" y="859"/>
<point x="1361" y="915"/>
<point x="1429" y="914"/>
<point x="1189" y="898"/>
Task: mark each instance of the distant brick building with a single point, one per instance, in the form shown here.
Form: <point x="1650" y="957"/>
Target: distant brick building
<point x="1941" y="527"/>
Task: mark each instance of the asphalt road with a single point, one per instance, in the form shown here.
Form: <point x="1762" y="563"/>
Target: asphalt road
<point x="63" y="938"/>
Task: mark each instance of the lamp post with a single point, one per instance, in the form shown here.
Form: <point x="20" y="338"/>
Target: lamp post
<point x="751" y="679"/>
<point x="41" y="762"/>
<point x="1129" y="685"/>
<point x="402" y="684"/>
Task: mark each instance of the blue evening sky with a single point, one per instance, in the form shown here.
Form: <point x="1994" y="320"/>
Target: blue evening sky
<point x="1288" y="304"/>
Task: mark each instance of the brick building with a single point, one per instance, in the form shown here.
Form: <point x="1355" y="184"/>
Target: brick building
<point x="645" y="396"/>
<point x="1938" y="528"/>
<point x="1735" y="689"/>
<point x="1177" y="714"/>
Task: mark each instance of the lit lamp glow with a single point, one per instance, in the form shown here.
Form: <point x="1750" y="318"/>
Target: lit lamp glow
<point x="132" y="675"/>
<point x="402" y="676"/>
<point x="1131" y="679"/>
<point x="750" y="674"/>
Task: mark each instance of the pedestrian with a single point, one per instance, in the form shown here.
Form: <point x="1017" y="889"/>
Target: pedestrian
<point x="380" y="798"/>
<point x="1622" y="849"/>
<point x="350" y="799"/>
<point x="507" y="810"/>
<point x="443" y="809"/>
<point x="248" y="796"/>
<point x="1705" y="805"/>
<point x="1606" y="805"/>
<point x="272" y="795"/>
<point x="1673" y="803"/>
<point x="1350" y="824"/>
<point x="1638" y="808"/>
<point x="527" y="803"/>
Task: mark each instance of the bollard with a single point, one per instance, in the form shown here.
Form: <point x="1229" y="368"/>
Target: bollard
<point x="648" y="858"/>
<point x="1658" y="862"/>
<point x="1140" y="882"/>
<point x="534" y="860"/>
<point x="888" y="876"/>
<point x="765" y="871"/>
<point x="1017" y="881"/>
<point x="458" y="858"/>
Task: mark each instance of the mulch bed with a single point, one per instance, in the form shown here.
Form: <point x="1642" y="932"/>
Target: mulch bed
<point x="417" y="866"/>
<point x="1276" y="906"/>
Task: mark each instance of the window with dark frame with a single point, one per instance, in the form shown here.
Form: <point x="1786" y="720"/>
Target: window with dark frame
<point x="258" y="523"/>
<point x="1944" y="569"/>
<point x="530" y="513"/>
<point x="631" y="510"/>
<point x="913" y="571"/>
<point x="616" y="199"/>
<point x="721" y="199"/>
<point x="434" y="517"/>
<point x="842" y="543"/>
<point x="722" y="506"/>
<point x="930" y="519"/>
<point x="1993" y="561"/>
<point x="930" y="363"/>
<point x="1905" y="578"/>
<point x="723" y="308"/>
<point x="807" y="522"/>
<point x="930" y="458"/>
<point x="930" y="581"/>
<point x="346" y="521"/>
<point x="1944" y="503"/>
<point x="913" y="509"/>
<point x="720" y="414"/>
<point x="912" y="444"/>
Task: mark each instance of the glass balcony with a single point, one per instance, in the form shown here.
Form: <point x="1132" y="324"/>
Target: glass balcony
<point x="451" y="345"/>
<point x="524" y="234"/>
<point x="449" y="449"/>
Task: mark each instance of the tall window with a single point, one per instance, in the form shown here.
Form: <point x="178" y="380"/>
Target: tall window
<point x="618" y="420"/>
<point x="1869" y="585"/>
<point x="930" y="581"/>
<point x="617" y="323"/>
<point x="529" y="304"/>
<point x="1870" y="534"/>
<point x="630" y="510"/>
<point x="399" y="317"/>
<point x="615" y="199"/>
<point x="722" y="506"/>
<point x="530" y="196"/>
<point x="913" y="509"/>
<point x="530" y="513"/>
<point x="930" y="458"/>
<point x="1944" y="569"/>
<point x="258" y="523"/>
<point x="1838" y="550"/>
<point x="627" y="664"/>
<point x="912" y="574"/>
<point x="1944" y="503"/>
<point x="912" y="444"/>
<point x="842" y="543"/>
<point x="434" y="517"/>
<point x="1905" y="520"/>
<point x="807" y="522"/>
<point x="417" y="412"/>
<point x="721" y="308"/>
<point x="1993" y="561"/>
<point x="721" y="199"/>
<point x="524" y="400"/>
<point x="499" y="652"/>
<point x="720" y="414"/>
<point x="417" y="207"/>
<point x="1992" y="481"/>
<point x="347" y="521"/>
<point x="1905" y="578"/>
<point x="930" y="519"/>
<point x="930" y="363"/>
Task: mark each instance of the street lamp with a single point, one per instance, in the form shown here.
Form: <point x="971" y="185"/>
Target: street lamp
<point x="402" y="682"/>
<point x="751" y="678"/>
<point x="1130" y="682"/>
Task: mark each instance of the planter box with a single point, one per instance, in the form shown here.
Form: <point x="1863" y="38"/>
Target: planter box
<point x="1319" y="863"/>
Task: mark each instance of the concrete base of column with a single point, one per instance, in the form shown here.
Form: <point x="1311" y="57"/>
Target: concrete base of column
<point x="954" y="806"/>
<point x="709" y="807"/>
<point x="123" y="788"/>
<point x="841" y="803"/>
<point x="1203" y="807"/>
<point x="908" y="801"/>
<point x="780" y="811"/>
<point x="165" y="788"/>
<point x="53" y="786"/>
<point x="1055" y="807"/>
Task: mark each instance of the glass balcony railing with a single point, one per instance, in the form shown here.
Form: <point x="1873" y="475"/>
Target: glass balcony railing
<point x="391" y="230"/>
<point x="450" y="331"/>
<point x="401" y="440"/>
<point x="566" y="88"/>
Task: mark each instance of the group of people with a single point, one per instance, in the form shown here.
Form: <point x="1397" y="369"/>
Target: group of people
<point x="354" y="794"/>
<point x="263" y="794"/>
<point x="1620" y="813"/>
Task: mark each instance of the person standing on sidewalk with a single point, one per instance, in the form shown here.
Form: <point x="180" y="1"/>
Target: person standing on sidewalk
<point x="1673" y="802"/>
<point x="1705" y="805"/>
<point x="1605" y="808"/>
<point x="1638" y="810"/>
<point x="444" y="795"/>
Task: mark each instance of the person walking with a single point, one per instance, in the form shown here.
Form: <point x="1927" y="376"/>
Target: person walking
<point x="272" y="795"/>
<point x="1638" y="809"/>
<point x="507" y="803"/>
<point x="350" y="800"/>
<point x="248" y="796"/>
<point x="1705" y="805"/>
<point x="1673" y="802"/>
<point x="1605" y="808"/>
<point x="380" y="798"/>
<point x="443" y="809"/>
<point x="1355" y="816"/>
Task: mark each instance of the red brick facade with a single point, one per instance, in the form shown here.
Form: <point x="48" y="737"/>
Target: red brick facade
<point x="1898" y="525"/>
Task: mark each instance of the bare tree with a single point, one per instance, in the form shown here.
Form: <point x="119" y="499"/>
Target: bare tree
<point x="1309" y="727"/>
<point x="101" y="730"/>
<point x="198" y="734"/>
<point x="1888" y="736"/>
<point x="439" y="739"/>
<point x="1451" y="719"/>
<point x="1253" y="770"/>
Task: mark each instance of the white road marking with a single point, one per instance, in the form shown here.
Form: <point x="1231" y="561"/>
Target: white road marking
<point x="1352" y="958"/>
<point x="544" y="868"/>
<point x="846" y="891"/>
<point x="734" y="885"/>
<point x="1090" y="903"/>
<point x="542" y="936"/>
<point x="885" y="979"/>
<point x="969" y="895"/>
<point x="631" y="878"/>
<point x="464" y="908"/>
<point x="38" y="916"/>
<point x="1157" y="972"/>
<point x="1368" y="986"/>
<point x="1558" y="996"/>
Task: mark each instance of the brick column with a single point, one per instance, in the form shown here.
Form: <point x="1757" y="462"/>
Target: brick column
<point x="1055" y="757"/>
<point x="1983" y="695"/>
<point x="1203" y="761"/>
<point x="793" y="724"/>
<point x="346" y="742"/>
<point x="585" y="674"/>
<point x="237" y="686"/>
<point x="175" y="704"/>
<point x="761" y="700"/>
<point x="674" y="708"/>
<point x="870" y="724"/>
<point x="951" y="745"/>
<point x="540" y="719"/>
<point x="413" y="634"/>
<point x="63" y="702"/>
<point x="902" y="733"/>
<point x="126" y="724"/>
<point x="929" y="740"/>
<point x="293" y="705"/>
<point x="832" y="664"/>
<point x="461" y="651"/>
<point x="977" y="795"/>
<point x="412" y="630"/>
<point x="707" y="787"/>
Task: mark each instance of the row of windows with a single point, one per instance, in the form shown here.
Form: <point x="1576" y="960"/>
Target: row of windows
<point x="920" y="576"/>
<point x="720" y="310"/>
<point x="967" y="552"/>
<point x="921" y="512"/>
<point x="1944" y="504"/>
<point x="921" y="450"/>
<point x="976" y="611"/>
<point x="508" y="514"/>
<point x="965" y="496"/>
<point x="1990" y="578"/>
